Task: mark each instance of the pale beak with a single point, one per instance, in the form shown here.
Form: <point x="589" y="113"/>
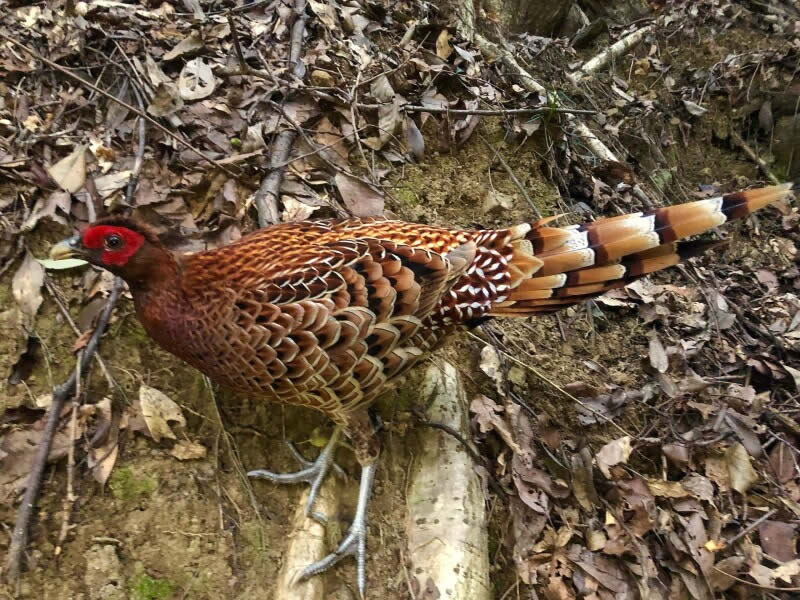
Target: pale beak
<point x="70" y="248"/>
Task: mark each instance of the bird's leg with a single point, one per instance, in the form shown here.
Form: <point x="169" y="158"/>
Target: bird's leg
<point x="355" y="542"/>
<point x="312" y="472"/>
<point x="366" y="444"/>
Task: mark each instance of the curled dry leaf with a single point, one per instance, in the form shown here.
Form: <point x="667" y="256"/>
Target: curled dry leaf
<point x="582" y="481"/>
<point x="187" y="45"/>
<point x="326" y="12"/>
<point x="613" y="453"/>
<point x="694" y="109"/>
<point x="157" y="411"/>
<point x="658" y="356"/>
<point x="678" y="454"/>
<point x="488" y="416"/>
<point x="154" y="72"/>
<point x="70" y="172"/>
<point x="414" y="139"/>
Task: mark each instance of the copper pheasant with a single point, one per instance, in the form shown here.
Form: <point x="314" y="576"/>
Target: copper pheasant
<point x="330" y="314"/>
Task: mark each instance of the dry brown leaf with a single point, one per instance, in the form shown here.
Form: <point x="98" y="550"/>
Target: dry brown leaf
<point x="795" y="374"/>
<point x="487" y="415"/>
<point x="740" y="470"/>
<point x="658" y="356"/>
<point x="111" y="183"/>
<point x="196" y="80"/>
<point x="191" y="43"/>
<point x="666" y="489"/>
<point x="778" y="539"/>
<point x="26" y="287"/>
<point x="716" y="470"/>
<point x="360" y="199"/>
<point x="157" y="411"/>
<point x="326" y="13"/>
<point x="102" y="458"/>
<point x="70" y="172"/>
<point x="700" y="487"/>
<point x="744" y="428"/>
<point x="414" y="139"/>
<point x="166" y="100"/>
<point x="678" y="454"/>
<point x="605" y="570"/>
<point x="443" y="47"/>
<point x="582" y="481"/>
<point x="154" y="72"/>
<point x="783" y="462"/>
<point x="613" y="453"/>
<point x="47" y="206"/>
<point x="294" y="210"/>
<point x="186" y="450"/>
<point x="722" y="577"/>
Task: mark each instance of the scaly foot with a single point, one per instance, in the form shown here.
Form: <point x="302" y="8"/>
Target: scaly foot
<point x="355" y="543"/>
<point x="312" y="472"/>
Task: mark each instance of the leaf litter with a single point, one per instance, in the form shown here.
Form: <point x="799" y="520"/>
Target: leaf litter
<point x="670" y="510"/>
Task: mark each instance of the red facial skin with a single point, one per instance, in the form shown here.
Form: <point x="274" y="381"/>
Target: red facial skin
<point x="95" y="238"/>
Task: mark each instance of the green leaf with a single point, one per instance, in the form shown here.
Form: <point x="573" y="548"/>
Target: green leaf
<point x="59" y="265"/>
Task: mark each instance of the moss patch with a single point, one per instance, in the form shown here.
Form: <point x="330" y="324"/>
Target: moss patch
<point x="144" y="587"/>
<point x="126" y="485"/>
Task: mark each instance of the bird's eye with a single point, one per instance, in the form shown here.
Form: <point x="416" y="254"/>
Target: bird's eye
<point x="113" y="242"/>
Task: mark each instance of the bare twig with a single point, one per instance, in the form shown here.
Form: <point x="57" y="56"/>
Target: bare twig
<point x="737" y="139"/>
<point x="488" y="112"/>
<point x="513" y="176"/>
<point x="68" y="318"/>
<point x="69" y="499"/>
<point x="266" y="198"/>
<point x="751" y="527"/>
<point x="139" y="161"/>
<point x="236" y="45"/>
<point x="615" y="50"/>
<point x="493" y="50"/>
<point x="19" y="537"/>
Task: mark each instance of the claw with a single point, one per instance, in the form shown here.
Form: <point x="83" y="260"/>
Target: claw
<point x="355" y="543"/>
<point x="311" y="472"/>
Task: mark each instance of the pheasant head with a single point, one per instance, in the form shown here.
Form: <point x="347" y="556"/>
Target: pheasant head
<point x="124" y="246"/>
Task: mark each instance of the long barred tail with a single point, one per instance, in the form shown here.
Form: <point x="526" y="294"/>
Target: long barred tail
<point x="554" y="267"/>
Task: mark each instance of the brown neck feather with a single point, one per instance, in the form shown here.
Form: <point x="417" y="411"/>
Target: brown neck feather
<point x="152" y="267"/>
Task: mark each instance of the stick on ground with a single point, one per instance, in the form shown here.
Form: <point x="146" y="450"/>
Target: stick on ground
<point x="268" y="194"/>
<point x="19" y="537"/>
<point x="447" y="536"/>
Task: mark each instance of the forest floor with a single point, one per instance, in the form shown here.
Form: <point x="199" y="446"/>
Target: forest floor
<point x="698" y="366"/>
